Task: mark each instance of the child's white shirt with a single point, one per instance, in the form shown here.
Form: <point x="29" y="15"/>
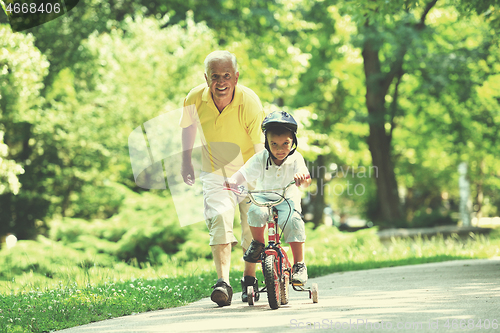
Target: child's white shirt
<point x="275" y="176"/>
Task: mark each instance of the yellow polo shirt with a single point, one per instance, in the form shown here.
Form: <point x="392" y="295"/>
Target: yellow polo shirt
<point x="228" y="137"/>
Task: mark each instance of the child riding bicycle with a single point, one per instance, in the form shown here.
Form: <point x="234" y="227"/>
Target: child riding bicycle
<point x="275" y="167"/>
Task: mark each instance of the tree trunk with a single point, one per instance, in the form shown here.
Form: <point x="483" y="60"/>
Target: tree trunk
<point x="377" y="86"/>
<point x="379" y="142"/>
<point x="387" y="187"/>
<point x="318" y="201"/>
<point x="479" y="191"/>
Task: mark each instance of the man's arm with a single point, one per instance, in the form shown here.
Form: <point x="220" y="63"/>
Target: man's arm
<point x="187" y="170"/>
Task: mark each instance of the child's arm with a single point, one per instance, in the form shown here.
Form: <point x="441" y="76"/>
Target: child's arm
<point x="235" y="180"/>
<point x="302" y="179"/>
<point x="248" y="172"/>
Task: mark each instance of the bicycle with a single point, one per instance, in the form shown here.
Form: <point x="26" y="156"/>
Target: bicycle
<point x="276" y="267"/>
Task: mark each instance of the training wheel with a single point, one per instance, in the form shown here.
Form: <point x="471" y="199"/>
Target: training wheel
<point x="314" y="292"/>
<point x="250" y="295"/>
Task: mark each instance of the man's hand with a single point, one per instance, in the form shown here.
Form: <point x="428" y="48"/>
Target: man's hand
<point x="187" y="172"/>
<point x="302" y="179"/>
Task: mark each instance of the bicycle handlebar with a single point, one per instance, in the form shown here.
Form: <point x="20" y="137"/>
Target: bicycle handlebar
<point x="244" y="191"/>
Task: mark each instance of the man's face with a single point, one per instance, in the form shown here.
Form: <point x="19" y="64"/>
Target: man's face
<point x="221" y="78"/>
<point x="280" y="145"/>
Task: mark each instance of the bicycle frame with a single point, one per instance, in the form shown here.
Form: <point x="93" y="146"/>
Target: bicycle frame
<point x="274" y="246"/>
<point x="281" y="269"/>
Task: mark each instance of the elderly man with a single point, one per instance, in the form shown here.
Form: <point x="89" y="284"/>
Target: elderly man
<point x="228" y="116"/>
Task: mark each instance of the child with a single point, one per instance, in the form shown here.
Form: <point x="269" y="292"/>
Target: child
<point x="275" y="167"/>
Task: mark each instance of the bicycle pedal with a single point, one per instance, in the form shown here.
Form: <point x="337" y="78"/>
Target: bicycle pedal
<point x="296" y="284"/>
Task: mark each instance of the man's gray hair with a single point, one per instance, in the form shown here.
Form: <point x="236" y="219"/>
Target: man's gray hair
<point x="221" y="55"/>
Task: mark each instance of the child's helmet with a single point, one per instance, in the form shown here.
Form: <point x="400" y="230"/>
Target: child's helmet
<point x="280" y="119"/>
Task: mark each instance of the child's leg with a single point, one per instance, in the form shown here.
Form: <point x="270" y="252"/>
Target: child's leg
<point x="257" y="218"/>
<point x="293" y="229"/>
<point x="256" y="222"/>
<point x="258" y="233"/>
<point x="297" y="251"/>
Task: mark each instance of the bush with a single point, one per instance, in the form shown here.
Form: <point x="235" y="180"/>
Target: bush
<point x="46" y="258"/>
<point x="97" y="202"/>
<point x="145" y="229"/>
<point x="196" y="245"/>
<point x="435" y="218"/>
<point x="68" y="230"/>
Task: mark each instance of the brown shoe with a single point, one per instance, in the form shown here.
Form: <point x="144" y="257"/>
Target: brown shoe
<point x="222" y="294"/>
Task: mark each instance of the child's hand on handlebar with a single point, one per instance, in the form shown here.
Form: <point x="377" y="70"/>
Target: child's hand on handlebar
<point x="230" y="183"/>
<point x="302" y="179"/>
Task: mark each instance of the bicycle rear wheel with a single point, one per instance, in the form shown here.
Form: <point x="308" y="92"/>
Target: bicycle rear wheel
<point x="314" y="292"/>
<point x="251" y="295"/>
<point x="272" y="280"/>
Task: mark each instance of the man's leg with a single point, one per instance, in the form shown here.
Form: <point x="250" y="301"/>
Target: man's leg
<point x="248" y="278"/>
<point x="246" y="237"/>
<point x="222" y="260"/>
<point x="223" y="292"/>
<point x="219" y="217"/>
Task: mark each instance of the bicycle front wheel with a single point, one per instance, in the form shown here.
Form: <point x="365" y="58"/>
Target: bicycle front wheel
<point x="272" y="280"/>
<point x="284" y="286"/>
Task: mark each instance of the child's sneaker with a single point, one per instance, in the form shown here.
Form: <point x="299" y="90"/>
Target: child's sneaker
<point x="249" y="281"/>
<point x="252" y="254"/>
<point x="299" y="273"/>
<point x="222" y="294"/>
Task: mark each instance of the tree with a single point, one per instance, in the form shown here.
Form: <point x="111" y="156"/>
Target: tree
<point x="95" y="95"/>
<point x="23" y="68"/>
<point x="9" y="170"/>
<point x="78" y="141"/>
<point x="380" y="76"/>
<point x="389" y="36"/>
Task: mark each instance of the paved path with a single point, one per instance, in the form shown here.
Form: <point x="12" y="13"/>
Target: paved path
<point x="423" y="298"/>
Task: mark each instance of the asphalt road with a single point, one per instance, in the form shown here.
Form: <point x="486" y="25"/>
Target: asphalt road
<point x="453" y="296"/>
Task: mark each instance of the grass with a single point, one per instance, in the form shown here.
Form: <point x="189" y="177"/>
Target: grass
<point x="34" y="302"/>
<point x="71" y="305"/>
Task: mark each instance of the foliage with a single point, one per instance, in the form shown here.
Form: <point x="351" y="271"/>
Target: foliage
<point x="112" y="99"/>
<point x="145" y="230"/>
<point x="45" y="258"/>
<point x="116" y="65"/>
<point x="128" y="77"/>
<point x="451" y="122"/>
<point x="12" y="75"/>
<point x="23" y="68"/>
<point x="9" y="170"/>
<point x="329" y="250"/>
<point x="431" y="114"/>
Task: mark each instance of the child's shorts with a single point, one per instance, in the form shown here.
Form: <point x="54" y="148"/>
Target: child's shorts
<point x="289" y="220"/>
